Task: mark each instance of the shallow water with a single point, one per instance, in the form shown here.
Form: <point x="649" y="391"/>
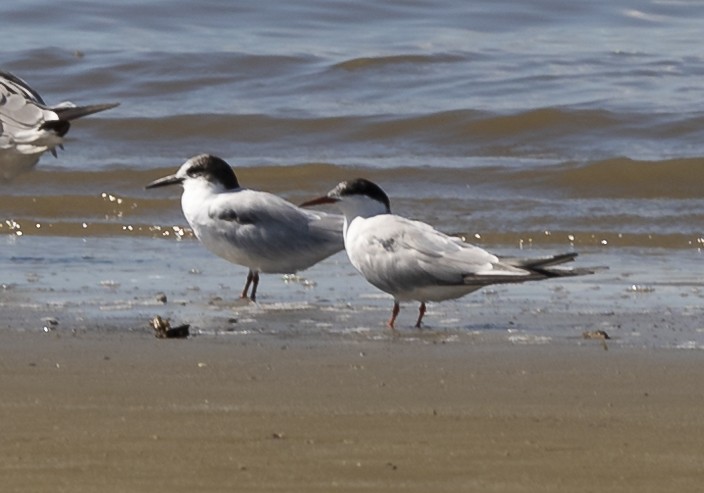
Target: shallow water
<point x="647" y="299"/>
<point x="539" y="124"/>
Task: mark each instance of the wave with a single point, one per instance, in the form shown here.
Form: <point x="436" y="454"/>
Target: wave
<point x="610" y="178"/>
<point x="617" y="178"/>
<point x="550" y="134"/>
<point x="394" y="61"/>
<point x="616" y="202"/>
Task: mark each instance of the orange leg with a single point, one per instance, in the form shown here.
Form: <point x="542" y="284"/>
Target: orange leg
<point x="421" y="312"/>
<point x="394" y="314"/>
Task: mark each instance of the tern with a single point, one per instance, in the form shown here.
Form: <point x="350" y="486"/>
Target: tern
<point x="257" y="230"/>
<point x="412" y="261"/>
<point x="29" y="127"/>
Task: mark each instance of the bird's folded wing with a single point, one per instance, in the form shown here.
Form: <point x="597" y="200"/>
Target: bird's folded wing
<point x="19" y="115"/>
<point x="415" y="249"/>
<point x="327" y="224"/>
<point x="269" y="219"/>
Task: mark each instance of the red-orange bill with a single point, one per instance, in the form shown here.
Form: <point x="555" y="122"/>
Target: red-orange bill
<point x="320" y="200"/>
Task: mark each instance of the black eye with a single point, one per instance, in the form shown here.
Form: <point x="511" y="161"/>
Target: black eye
<point x="195" y="171"/>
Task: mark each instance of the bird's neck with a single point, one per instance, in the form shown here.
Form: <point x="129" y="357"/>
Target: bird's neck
<point x="197" y="195"/>
<point x="361" y="210"/>
<point x="354" y="207"/>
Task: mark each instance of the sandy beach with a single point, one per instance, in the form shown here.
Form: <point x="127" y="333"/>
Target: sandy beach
<point x="308" y="391"/>
<point x="128" y="412"/>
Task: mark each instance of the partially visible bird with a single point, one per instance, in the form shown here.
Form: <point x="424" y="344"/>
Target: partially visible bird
<point x="411" y="260"/>
<point x="29" y="127"/>
<point x="257" y="230"/>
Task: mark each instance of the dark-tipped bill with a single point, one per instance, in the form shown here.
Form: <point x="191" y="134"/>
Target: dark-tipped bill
<point x="320" y="200"/>
<point x="165" y="181"/>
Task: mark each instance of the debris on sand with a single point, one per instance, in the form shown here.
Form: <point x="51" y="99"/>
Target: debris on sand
<point x="599" y="335"/>
<point x="163" y="330"/>
<point x="595" y="334"/>
<point x="49" y="324"/>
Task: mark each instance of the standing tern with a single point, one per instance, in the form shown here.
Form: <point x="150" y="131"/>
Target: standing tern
<point x="411" y="260"/>
<point x="257" y="230"/>
<point x="29" y="127"/>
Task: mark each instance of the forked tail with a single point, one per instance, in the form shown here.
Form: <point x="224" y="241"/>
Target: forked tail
<point x="543" y="265"/>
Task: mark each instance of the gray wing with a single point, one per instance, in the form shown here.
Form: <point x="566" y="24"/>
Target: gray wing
<point x="444" y="257"/>
<point x="14" y="84"/>
<point x="280" y="233"/>
<point x="21" y="109"/>
<point x="25" y="120"/>
<point x="399" y="253"/>
<point x="28" y="127"/>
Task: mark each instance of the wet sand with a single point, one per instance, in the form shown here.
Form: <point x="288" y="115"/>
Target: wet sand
<point x="123" y="411"/>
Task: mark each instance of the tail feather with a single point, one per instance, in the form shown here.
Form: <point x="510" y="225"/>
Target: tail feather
<point x="543" y="265"/>
<point x="535" y="263"/>
<point x="565" y="272"/>
<point x="541" y="262"/>
<point x="69" y="113"/>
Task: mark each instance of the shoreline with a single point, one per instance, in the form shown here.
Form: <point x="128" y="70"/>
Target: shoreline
<point x="647" y="298"/>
